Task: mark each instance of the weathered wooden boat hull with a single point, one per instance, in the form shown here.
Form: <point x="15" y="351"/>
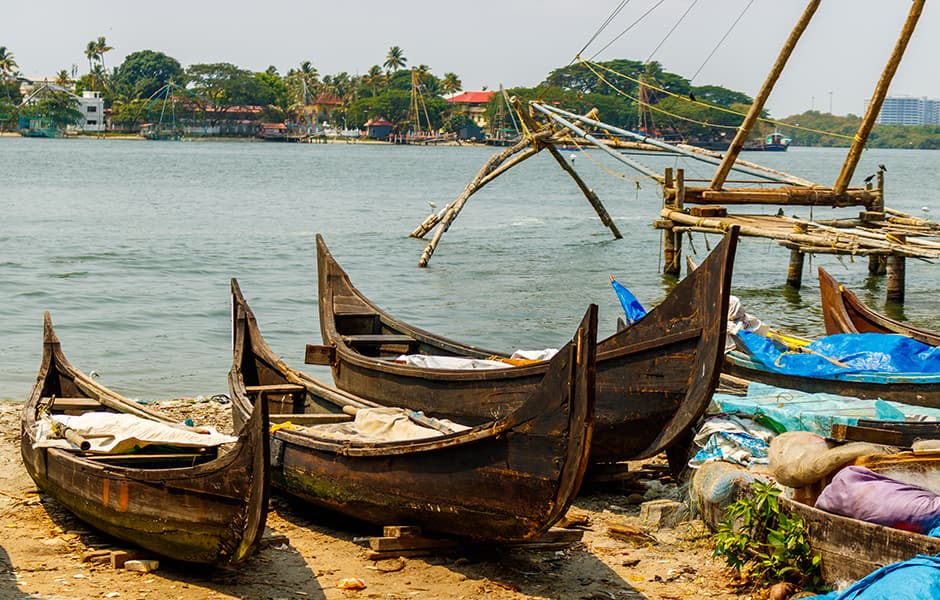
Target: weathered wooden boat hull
<point x="850" y="548"/>
<point x="507" y="479"/>
<point x="843" y="312"/>
<point x="211" y="512"/>
<point x="911" y="388"/>
<point x="654" y="379"/>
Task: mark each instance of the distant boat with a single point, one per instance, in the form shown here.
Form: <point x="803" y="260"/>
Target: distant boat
<point x="775" y="142"/>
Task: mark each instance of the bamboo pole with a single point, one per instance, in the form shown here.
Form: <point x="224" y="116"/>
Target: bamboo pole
<point x="757" y="106"/>
<point x="454" y="208"/>
<point x="699" y="154"/>
<point x="874" y="107"/>
<point x="567" y="168"/>
<point x="435" y="218"/>
<point x="827" y="236"/>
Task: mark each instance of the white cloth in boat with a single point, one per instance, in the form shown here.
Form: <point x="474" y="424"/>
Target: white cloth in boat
<point x="384" y="424"/>
<point x="119" y="433"/>
<point x="739" y="320"/>
<point x="429" y="361"/>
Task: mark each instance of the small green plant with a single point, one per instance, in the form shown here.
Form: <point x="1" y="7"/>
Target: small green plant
<point x="771" y="545"/>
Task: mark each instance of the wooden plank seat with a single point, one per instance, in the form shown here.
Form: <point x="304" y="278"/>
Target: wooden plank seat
<point x="378" y="339"/>
<point x="287" y="398"/>
<point x="310" y="418"/>
<point x="72" y="406"/>
<point x="382" y="344"/>
<point x="150" y="460"/>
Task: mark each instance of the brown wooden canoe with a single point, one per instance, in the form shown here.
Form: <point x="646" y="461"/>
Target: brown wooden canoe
<point x="654" y="379"/>
<point x="195" y="506"/>
<point x="843" y="312"/>
<point x="507" y="479"/>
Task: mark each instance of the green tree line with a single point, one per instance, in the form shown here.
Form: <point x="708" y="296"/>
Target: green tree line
<point x="626" y="93"/>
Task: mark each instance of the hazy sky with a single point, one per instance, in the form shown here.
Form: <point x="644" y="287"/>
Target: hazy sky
<point x="509" y="42"/>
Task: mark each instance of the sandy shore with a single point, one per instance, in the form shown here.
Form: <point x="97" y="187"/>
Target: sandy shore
<point x="310" y="552"/>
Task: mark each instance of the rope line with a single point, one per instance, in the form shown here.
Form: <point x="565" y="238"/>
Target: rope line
<point x="590" y="65"/>
<point x="722" y="40"/>
<point x="631" y="26"/>
<point x="674" y="27"/>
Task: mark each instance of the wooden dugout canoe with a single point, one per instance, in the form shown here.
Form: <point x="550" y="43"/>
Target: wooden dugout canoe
<point x="843" y="312"/>
<point x="654" y="379"/>
<point x="504" y="480"/>
<point x="919" y="389"/>
<point x="196" y="506"/>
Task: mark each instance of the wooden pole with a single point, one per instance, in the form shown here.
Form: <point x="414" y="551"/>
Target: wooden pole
<point x="454" y="208"/>
<point x="757" y="106"/>
<point x="896" y="275"/>
<point x="877" y="264"/>
<point x="797" y="258"/>
<point x="874" y="107"/>
<point x="672" y="239"/>
<point x="567" y="168"/>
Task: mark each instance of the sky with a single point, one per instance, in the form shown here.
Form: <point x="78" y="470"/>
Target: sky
<point x="834" y="68"/>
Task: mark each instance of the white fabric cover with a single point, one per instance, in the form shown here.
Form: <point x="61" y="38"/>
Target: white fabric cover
<point x="118" y="433"/>
<point x="386" y="424"/>
<point x="458" y="362"/>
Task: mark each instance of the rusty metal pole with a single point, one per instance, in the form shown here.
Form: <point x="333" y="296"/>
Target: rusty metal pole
<point x="753" y="114"/>
<point x="874" y="107"/>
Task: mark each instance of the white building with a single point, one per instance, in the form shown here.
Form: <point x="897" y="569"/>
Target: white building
<point x="908" y="110"/>
<point x="92" y="109"/>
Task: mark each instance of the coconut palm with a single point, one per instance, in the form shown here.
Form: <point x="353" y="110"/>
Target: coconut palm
<point x="373" y="77"/>
<point x="451" y="83"/>
<point x="101" y="46"/>
<point x="91" y="53"/>
<point x="395" y="59"/>
<point x="62" y="78"/>
<point x="8" y="64"/>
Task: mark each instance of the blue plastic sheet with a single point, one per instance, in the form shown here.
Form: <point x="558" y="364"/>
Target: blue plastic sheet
<point x="792" y="410"/>
<point x="632" y="308"/>
<point x="859" y="352"/>
<point x="914" y="579"/>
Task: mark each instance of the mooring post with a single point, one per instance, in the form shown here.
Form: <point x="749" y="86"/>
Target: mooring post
<point x="877" y="264"/>
<point x="896" y="274"/>
<point x="795" y="268"/>
<point x="672" y="240"/>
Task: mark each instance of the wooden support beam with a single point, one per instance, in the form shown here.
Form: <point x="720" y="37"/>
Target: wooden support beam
<point x="567" y="168"/>
<point x="744" y="130"/>
<point x="454" y="208"/>
<point x="877" y="99"/>
<point x="783" y="195"/>
<point x="896" y="276"/>
<point x="797" y="258"/>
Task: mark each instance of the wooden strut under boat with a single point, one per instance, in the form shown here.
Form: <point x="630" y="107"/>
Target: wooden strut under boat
<point x="654" y="379"/>
<point x="507" y="479"/>
<point x="843" y="312"/>
<point x="198" y="507"/>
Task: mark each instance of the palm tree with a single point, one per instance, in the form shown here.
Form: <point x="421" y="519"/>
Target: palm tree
<point x="373" y="77"/>
<point x="8" y="64"/>
<point x="62" y="78"/>
<point x="451" y="83"/>
<point x="101" y="46"/>
<point x="91" y="52"/>
<point x="395" y="59"/>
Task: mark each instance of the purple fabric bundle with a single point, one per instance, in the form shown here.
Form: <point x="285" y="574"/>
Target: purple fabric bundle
<point x="862" y="494"/>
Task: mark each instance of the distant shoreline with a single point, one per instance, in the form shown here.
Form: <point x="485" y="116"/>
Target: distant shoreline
<point x="248" y="139"/>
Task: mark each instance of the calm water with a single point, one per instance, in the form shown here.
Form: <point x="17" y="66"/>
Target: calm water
<point x="131" y="244"/>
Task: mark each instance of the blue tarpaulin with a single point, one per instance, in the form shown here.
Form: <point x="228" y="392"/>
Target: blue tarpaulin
<point x="792" y="410"/>
<point x="632" y="308"/>
<point x="914" y="579"/>
<point x="859" y="352"/>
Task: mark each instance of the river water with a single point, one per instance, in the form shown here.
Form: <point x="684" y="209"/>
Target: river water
<point x="131" y="245"/>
